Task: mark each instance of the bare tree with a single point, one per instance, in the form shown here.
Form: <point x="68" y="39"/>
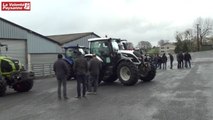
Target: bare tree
<point x="188" y="34"/>
<point x="144" y="45"/>
<point x="130" y="45"/>
<point x="162" y="42"/>
<point x="203" y="27"/>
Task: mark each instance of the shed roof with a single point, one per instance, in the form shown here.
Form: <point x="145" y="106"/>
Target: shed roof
<point x="65" y="38"/>
<point x="168" y="44"/>
<point x="28" y="30"/>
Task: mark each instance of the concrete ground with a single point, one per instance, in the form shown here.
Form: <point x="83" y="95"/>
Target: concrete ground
<point x="177" y="94"/>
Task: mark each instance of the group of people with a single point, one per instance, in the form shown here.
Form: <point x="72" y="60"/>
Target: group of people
<point x="86" y="72"/>
<point x="183" y="60"/>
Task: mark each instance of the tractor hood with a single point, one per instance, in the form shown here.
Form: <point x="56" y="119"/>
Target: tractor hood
<point x="126" y="51"/>
<point x="130" y="55"/>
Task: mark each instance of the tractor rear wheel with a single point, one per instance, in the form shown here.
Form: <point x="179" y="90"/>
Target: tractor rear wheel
<point x="23" y="86"/>
<point x="127" y="73"/>
<point x="3" y="87"/>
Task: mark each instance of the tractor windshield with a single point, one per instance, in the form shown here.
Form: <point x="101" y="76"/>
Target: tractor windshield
<point x="100" y="48"/>
<point x="72" y="52"/>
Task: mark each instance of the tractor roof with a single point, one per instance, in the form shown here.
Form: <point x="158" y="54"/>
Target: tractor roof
<point x="103" y="39"/>
<point x="77" y="46"/>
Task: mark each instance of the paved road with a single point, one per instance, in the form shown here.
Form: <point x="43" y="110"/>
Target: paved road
<point x="185" y="94"/>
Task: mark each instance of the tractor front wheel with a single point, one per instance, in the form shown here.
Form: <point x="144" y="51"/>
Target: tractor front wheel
<point x="127" y="73"/>
<point x="3" y="87"/>
<point x="151" y="74"/>
<point x="23" y="86"/>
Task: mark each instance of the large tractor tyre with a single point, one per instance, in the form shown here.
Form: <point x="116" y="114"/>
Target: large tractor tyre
<point x="127" y="73"/>
<point x="111" y="79"/>
<point x="3" y="87"/>
<point x="23" y="86"/>
<point x="150" y="76"/>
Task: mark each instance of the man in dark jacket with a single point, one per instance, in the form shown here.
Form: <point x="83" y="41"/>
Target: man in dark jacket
<point x="164" y="60"/>
<point x="94" y="69"/>
<point x="61" y="71"/>
<point x="187" y="58"/>
<point x="181" y="60"/>
<point x="178" y="61"/>
<point x="81" y="68"/>
<point x="171" y="58"/>
<point x="159" y="61"/>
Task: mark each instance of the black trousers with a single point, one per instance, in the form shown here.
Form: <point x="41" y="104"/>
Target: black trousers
<point x="81" y="83"/>
<point x="179" y="65"/>
<point x="93" y="83"/>
<point x="64" y="83"/>
<point x="171" y="64"/>
<point x="187" y="62"/>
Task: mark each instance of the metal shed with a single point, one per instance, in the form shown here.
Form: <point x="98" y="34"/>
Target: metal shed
<point x="26" y="45"/>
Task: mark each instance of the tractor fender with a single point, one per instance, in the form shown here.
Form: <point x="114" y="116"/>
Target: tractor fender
<point x="122" y="58"/>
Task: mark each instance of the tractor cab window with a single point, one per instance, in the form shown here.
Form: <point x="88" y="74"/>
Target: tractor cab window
<point x="72" y="52"/>
<point x="100" y="48"/>
<point x="5" y="66"/>
<point x="69" y="53"/>
<point x="115" y="45"/>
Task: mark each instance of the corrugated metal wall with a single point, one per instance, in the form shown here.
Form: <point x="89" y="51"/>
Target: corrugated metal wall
<point x="16" y="49"/>
<point x="9" y="31"/>
<point x="82" y="41"/>
<point x="35" y="43"/>
<point x="43" y="58"/>
<point x="42" y="64"/>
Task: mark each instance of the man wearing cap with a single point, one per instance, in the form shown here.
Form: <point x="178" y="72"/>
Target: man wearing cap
<point x="61" y="70"/>
<point x="81" y="68"/>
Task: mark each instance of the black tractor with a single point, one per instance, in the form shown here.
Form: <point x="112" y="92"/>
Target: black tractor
<point x="120" y="63"/>
<point x="13" y="74"/>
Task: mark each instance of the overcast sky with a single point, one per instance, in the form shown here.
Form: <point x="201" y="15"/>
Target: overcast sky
<point x="134" y="20"/>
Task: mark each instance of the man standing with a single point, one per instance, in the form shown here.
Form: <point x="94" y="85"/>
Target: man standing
<point x="94" y="69"/>
<point x="171" y="58"/>
<point x="187" y="58"/>
<point x="164" y="61"/>
<point x="81" y="68"/>
<point x="61" y="70"/>
<point x="181" y="60"/>
<point x="178" y="60"/>
<point x="159" y="61"/>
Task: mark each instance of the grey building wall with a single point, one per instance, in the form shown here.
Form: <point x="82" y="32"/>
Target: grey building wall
<point x="16" y="49"/>
<point x="45" y="58"/>
<point x="9" y="31"/>
<point x="35" y="43"/>
<point x="82" y="41"/>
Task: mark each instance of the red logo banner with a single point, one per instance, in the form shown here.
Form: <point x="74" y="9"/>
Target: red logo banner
<point x="15" y="6"/>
